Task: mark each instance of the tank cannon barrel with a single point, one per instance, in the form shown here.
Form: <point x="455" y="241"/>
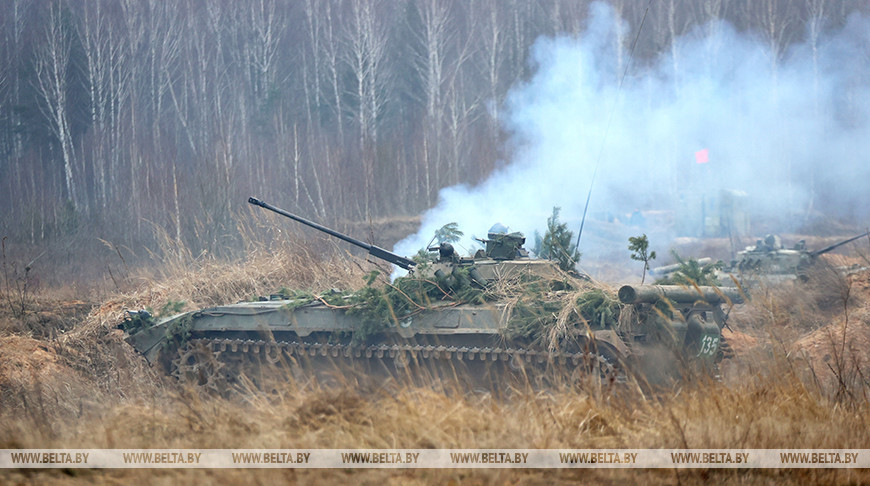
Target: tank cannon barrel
<point x="650" y="294"/>
<point x="837" y="245"/>
<point x="666" y="269"/>
<point x="373" y="250"/>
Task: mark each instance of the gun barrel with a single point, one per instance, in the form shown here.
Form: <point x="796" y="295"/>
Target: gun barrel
<point x="373" y="250"/>
<point x="837" y="245"/>
<point x="649" y="294"/>
<point x="666" y="269"/>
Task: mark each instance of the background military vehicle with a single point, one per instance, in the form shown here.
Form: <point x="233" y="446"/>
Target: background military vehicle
<point x="451" y="314"/>
<point x="768" y="260"/>
<point x="770" y="257"/>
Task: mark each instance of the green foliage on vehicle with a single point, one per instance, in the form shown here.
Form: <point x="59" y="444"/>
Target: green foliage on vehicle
<point x="556" y="243"/>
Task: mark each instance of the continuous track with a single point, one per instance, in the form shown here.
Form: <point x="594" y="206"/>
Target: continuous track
<point x="212" y="362"/>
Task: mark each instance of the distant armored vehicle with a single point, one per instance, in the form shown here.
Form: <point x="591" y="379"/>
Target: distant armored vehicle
<point x="770" y="257"/>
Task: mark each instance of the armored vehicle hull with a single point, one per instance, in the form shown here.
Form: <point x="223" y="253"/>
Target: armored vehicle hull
<point x="223" y="342"/>
<point x="215" y="347"/>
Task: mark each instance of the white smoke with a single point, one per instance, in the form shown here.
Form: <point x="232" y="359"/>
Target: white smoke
<point x="794" y="138"/>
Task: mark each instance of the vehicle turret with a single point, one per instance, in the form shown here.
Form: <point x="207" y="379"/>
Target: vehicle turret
<point x="503" y="256"/>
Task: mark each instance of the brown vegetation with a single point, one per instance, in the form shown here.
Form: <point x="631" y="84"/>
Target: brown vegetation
<point x="793" y="384"/>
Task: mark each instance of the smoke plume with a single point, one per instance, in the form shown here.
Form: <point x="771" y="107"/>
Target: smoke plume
<point x="789" y="138"/>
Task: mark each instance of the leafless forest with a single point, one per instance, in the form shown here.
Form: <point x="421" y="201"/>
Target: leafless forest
<point x="132" y="129"/>
<point x="119" y="116"/>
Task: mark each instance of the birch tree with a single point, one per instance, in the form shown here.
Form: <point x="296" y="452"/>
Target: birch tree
<point x="52" y="66"/>
<point x="429" y="57"/>
<point x="365" y="55"/>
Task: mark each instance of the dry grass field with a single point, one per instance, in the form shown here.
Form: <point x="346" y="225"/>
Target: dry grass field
<point x="800" y="379"/>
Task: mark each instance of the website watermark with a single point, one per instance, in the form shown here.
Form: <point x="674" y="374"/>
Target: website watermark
<point x="435" y="458"/>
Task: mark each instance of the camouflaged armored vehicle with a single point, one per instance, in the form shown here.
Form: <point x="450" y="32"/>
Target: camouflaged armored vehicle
<point x="769" y="257"/>
<point x="494" y="313"/>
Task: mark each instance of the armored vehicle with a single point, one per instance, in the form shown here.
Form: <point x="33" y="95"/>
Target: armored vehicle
<point x="493" y="314"/>
<point x="770" y="257"/>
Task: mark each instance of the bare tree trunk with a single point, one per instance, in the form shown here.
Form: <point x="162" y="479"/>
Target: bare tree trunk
<point x="331" y="47"/>
<point x="267" y="26"/>
<point x="366" y="39"/>
<point x="429" y="64"/>
<point x="102" y="48"/>
<point x="52" y="64"/>
<point x="460" y="115"/>
<point x="18" y="19"/>
<point x="11" y="80"/>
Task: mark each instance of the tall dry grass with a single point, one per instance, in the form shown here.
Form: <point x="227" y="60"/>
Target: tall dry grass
<point x="760" y="412"/>
<point x="88" y="389"/>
